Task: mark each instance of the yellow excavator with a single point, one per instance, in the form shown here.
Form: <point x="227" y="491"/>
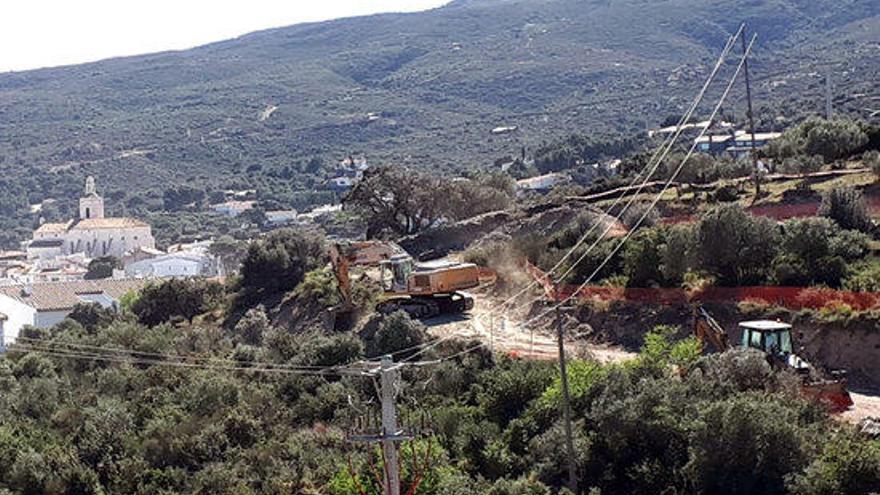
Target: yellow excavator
<point x="773" y="338"/>
<point x="423" y="290"/>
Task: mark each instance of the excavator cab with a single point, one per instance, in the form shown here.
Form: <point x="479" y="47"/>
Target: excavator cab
<point x="396" y="272"/>
<point x="770" y="337"/>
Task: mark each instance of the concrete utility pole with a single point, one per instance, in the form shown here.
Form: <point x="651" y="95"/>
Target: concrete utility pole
<point x="390" y="433"/>
<point x="751" y="116"/>
<point x="829" y="110"/>
<point x="389" y="429"/>
<point x="566" y="398"/>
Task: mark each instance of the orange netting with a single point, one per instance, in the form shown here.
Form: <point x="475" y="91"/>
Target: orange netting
<point x="787" y="297"/>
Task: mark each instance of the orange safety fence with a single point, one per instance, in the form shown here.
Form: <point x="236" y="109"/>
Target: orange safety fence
<point x="787" y="297"/>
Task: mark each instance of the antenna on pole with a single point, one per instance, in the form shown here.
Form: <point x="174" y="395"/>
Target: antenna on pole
<point x="829" y="109"/>
<point x="751" y="116"/>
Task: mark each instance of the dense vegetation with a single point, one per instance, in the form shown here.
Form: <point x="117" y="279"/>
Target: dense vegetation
<point x="729" y="246"/>
<point x="487" y="423"/>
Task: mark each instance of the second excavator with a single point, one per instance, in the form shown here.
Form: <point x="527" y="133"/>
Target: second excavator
<point x="773" y="338"/>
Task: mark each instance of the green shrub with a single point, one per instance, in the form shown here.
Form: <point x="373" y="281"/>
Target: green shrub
<point x="863" y="277"/>
<point x="846" y="206"/>
<point x="642" y="258"/>
<point x="847" y="464"/>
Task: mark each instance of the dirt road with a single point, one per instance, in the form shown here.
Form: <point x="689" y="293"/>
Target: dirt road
<point x="866" y="406"/>
<point x="503" y="332"/>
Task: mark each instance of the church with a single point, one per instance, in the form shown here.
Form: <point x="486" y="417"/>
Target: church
<point x="92" y="234"/>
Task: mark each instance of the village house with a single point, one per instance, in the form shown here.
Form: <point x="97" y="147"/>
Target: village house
<point x="92" y="233"/>
<point x="180" y="264"/>
<point x="233" y="208"/>
<point x="45" y="304"/>
<point x="277" y="218"/>
<point x="541" y="183"/>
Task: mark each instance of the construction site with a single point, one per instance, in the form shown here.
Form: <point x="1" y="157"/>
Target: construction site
<point x="699" y="315"/>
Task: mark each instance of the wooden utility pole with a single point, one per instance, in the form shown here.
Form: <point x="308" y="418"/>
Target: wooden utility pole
<point x="751" y="116"/>
<point x="566" y="398"/>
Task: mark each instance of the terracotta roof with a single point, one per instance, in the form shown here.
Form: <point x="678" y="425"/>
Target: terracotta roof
<point x="58" y="296"/>
<point x="108" y="223"/>
<point x="53" y="228"/>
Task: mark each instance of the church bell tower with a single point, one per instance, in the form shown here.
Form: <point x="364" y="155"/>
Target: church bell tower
<point x="91" y="205"/>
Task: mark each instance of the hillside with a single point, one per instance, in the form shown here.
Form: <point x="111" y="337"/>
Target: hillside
<point x="422" y="89"/>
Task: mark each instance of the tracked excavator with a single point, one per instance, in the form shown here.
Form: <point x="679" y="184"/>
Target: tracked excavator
<point x="773" y="338"/>
<point x="423" y="290"/>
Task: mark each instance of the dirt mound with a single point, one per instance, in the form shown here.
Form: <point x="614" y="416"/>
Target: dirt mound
<point x="542" y="221"/>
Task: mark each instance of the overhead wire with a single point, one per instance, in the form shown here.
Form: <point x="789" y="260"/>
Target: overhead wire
<point x="137" y="353"/>
<point x="652" y="165"/>
<point x="656" y="199"/>
<point x="638" y="223"/>
<point x="666" y="145"/>
<point x="242" y="366"/>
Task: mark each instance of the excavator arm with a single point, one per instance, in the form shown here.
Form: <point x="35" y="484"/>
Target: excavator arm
<point x="344" y="255"/>
<point x="707" y="330"/>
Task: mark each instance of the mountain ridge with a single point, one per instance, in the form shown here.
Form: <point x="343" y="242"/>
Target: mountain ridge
<point x="419" y="89"/>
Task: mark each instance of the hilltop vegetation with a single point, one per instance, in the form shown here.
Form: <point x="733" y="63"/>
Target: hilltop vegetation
<point x="275" y="110"/>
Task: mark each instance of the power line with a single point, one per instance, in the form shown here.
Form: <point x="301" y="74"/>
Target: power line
<point x="662" y="191"/>
<point x="136" y="353"/>
<point x="667" y="145"/>
<point x="638" y="222"/>
<point x="92" y="356"/>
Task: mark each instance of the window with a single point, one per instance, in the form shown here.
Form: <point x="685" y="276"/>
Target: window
<point x="785" y="342"/>
<point x="755" y="339"/>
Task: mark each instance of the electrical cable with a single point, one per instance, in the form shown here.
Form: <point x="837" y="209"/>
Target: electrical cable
<point x="644" y="215"/>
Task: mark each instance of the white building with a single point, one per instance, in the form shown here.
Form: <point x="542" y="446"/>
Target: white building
<point x="233" y="208"/>
<point x="280" y="217"/>
<point x="181" y="264"/>
<point x="43" y="305"/>
<point x="92" y="234"/>
<point x="542" y="182"/>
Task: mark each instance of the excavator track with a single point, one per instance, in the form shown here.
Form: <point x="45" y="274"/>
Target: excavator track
<point x="429" y="306"/>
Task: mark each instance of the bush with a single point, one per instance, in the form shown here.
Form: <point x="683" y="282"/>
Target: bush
<point x="251" y="328"/>
<point x="642" y="259"/>
<point x="636" y="211"/>
<point x="830" y="139"/>
<point x="735" y="246"/>
<point x="847" y="464"/>
<point x="279" y="262"/>
<point x="396" y="332"/>
<point x="863" y="277"/>
<point x="176" y="298"/>
<point x="676" y="254"/>
<point x="102" y="268"/>
<point x="802" y="164"/>
<point x="846" y="206"/>
<point x="816" y="251"/>
<point x="746" y="445"/>
<point x="91" y="316"/>
<point x="871" y="159"/>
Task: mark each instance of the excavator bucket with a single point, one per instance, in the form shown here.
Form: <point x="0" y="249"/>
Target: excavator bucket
<point x="830" y="393"/>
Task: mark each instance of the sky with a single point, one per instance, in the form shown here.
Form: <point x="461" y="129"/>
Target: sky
<point x="47" y="33"/>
